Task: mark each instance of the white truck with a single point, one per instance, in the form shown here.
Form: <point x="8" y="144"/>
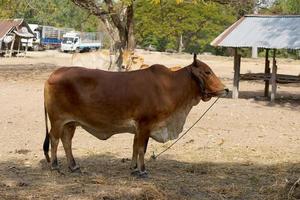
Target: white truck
<point x="81" y="41"/>
<point x="46" y="37"/>
<point x="33" y="43"/>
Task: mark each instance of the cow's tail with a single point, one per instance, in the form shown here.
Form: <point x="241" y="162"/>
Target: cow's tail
<point x="47" y="138"/>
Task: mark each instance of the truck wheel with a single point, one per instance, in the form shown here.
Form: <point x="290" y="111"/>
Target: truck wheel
<point x="36" y="48"/>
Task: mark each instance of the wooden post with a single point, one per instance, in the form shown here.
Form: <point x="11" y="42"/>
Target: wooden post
<point x="26" y="48"/>
<point x="180" y="44"/>
<point x="273" y="78"/>
<point x="12" y="46"/>
<point x="19" y="48"/>
<point x="267" y="72"/>
<point x="236" y="77"/>
<point x="254" y="52"/>
<point x="6" y="50"/>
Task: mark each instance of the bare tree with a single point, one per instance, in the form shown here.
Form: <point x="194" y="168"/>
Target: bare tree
<point x="117" y="16"/>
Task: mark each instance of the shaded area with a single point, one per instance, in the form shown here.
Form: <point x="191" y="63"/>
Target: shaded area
<point x="284" y="99"/>
<point x="38" y="71"/>
<point x="108" y="177"/>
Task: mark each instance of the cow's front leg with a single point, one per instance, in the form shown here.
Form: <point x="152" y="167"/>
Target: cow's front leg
<point x="141" y="141"/>
<point x="133" y="165"/>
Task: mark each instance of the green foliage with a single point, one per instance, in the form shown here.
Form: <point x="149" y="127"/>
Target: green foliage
<point x="59" y="13"/>
<point x="161" y="25"/>
<point x="291" y="7"/>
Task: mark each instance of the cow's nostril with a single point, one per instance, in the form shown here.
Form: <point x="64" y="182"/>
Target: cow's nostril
<point x="226" y="90"/>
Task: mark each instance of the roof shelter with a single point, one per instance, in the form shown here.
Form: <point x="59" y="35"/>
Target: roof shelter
<point x="13" y="32"/>
<point x="262" y="31"/>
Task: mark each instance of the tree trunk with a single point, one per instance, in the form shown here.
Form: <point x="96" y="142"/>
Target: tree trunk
<point x="180" y="44"/>
<point x="130" y="28"/>
<point x="126" y="35"/>
<point x="118" y="25"/>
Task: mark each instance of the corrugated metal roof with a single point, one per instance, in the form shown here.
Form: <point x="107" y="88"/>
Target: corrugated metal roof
<point x="24" y="35"/>
<point x="278" y="31"/>
<point x="8" y="25"/>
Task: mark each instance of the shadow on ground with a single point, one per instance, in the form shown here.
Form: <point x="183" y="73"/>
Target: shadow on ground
<point x="108" y="177"/>
<point x="283" y="99"/>
<point x="40" y="71"/>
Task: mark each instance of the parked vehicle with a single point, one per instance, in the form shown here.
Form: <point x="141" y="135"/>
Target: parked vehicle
<point x="46" y="37"/>
<point x="33" y="43"/>
<point x="81" y="41"/>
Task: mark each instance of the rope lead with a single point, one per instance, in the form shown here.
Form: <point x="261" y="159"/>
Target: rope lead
<point x="154" y="157"/>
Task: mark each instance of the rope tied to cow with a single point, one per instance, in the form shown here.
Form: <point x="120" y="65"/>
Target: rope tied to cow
<point x="154" y="157"/>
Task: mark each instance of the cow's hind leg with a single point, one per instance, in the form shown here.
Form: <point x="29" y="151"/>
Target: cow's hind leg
<point x="66" y="138"/>
<point x="133" y="165"/>
<point x="54" y="139"/>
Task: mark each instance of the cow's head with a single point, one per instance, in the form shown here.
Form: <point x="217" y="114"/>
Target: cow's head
<point x="209" y="84"/>
<point x="131" y="61"/>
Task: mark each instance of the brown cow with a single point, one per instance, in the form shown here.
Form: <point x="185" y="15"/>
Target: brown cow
<point x="153" y="102"/>
<point x="173" y="68"/>
<point x="101" y="60"/>
<point x="95" y="60"/>
<point x="144" y="66"/>
<point x="131" y="61"/>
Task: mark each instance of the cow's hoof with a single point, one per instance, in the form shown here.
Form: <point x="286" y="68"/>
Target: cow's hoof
<point x="143" y="174"/>
<point x="54" y="167"/>
<point x="133" y="167"/>
<point x="135" y="172"/>
<point x="139" y="174"/>
<point x="75" y="169"/>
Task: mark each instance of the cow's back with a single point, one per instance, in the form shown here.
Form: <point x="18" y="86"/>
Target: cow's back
<point x="115" y="94"/>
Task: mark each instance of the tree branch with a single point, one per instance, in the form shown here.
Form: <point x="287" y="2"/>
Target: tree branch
<point x="91" y="6"/>
<point x="114" y="16"/>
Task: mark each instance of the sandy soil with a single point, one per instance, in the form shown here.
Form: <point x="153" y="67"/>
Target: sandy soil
<point x="242" y="149"/>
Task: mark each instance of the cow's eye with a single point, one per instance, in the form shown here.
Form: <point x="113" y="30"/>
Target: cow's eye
<point x="208" y="73"/>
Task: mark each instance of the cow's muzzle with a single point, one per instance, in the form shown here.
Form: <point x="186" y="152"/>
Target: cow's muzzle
<point x="226" y="91"/>
<point x="220" y="93"/>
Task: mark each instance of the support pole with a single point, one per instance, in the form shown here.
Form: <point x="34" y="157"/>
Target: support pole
<point x="12" y="46"/>
<point x="236" y="77"/>
<point x="254" y="52"/>
<point x="273" y="78"/>
<point x="267" y="72"/>
<point x="26" y="48"/>
<point x="18" y="54"/>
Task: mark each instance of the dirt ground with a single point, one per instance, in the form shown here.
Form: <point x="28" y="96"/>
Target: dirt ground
<point x="242" y="149"/>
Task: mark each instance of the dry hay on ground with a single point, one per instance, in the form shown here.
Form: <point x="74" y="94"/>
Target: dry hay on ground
<point x="242" y="149"/>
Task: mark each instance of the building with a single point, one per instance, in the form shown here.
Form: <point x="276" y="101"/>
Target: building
<point x="14" y="35"/>
<point x="268" y="32"/>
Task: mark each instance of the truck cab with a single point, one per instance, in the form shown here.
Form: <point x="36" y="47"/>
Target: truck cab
<point x="70" y="42"/>
<point x="80" y="42"/>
